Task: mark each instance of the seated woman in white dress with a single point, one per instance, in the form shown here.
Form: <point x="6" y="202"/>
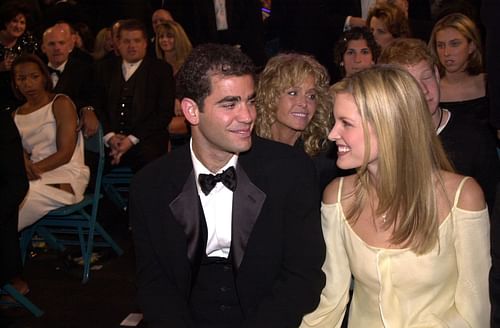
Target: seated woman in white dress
<point x="53" y="147"/>
<point x="414" y="235"/>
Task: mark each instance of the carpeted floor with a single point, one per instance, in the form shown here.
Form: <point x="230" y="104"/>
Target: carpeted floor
<point x="55" y="287"/>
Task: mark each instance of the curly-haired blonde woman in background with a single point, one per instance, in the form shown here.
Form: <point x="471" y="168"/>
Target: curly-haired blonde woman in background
<point x="294" y="107"/>
<point x="414" y="235"/>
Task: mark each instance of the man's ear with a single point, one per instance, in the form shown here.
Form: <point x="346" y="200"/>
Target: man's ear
<point x="190" y="110"/>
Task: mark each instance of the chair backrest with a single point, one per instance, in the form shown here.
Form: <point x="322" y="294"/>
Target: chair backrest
<point x="95" y="144"/>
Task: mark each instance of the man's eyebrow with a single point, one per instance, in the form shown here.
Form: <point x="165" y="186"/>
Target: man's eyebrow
<point x="229" y="99"/>
<point x="252" y="96"/>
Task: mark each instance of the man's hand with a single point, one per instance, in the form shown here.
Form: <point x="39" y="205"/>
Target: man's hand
<point x="88" y="123"/>
<point x="32" y="171"/>
<point x="119" y="147"/>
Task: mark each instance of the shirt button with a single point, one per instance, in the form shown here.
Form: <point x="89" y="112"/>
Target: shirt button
<point x="224" y="289"/>
<point x="227" y="267"/>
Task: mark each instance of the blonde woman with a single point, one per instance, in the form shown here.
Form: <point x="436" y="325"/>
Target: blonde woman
<point x="414" y="235"/>
<point x="294" y="107"/>
<point x="456" y="44"/>
<point x="172" y="44"/>
<point x="103" y="43"/>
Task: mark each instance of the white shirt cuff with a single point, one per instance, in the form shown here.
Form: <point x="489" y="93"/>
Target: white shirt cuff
<point x="106" y="138"/>
<point x="134" y="139"/>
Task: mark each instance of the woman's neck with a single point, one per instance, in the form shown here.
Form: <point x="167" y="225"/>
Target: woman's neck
<point x="456" y="77"/>
<point x="170" y="57"/>
<point x="284" y="135"/>
<point x="38" y="100"/>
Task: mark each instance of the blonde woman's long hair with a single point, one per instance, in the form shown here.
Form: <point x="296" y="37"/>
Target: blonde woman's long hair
<point x="410" y="155"/>
<point x="182" y="44"/>
<point x="284" y="71"/>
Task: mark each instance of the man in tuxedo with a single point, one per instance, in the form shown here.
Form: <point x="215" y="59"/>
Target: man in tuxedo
<point x="134" y="98"/>
<point x="69" y="74"/>
<point x="227" y="228"/>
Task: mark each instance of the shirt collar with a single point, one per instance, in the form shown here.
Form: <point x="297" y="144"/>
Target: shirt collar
<point x="199" y="168"/>
<point x="60" y="68"/>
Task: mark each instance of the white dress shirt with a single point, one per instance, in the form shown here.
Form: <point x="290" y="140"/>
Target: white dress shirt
<point x="218" y="209"/>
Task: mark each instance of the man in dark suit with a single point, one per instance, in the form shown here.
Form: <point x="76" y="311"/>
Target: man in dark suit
<point x="69" y="74"/>
<point x="233" y="22"/>
<point x="134" y="99"/>
<point x="244" y="247"/>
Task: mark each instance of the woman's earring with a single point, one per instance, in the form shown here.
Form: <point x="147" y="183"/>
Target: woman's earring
<point x="341" y="64"/>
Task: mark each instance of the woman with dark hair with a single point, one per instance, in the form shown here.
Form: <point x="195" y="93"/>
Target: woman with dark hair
<point x="53" y="148"/>
<point x="15" y="40"/>
<point x="356" y="50"/>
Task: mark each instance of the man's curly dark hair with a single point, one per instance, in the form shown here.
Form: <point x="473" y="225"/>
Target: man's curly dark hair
<point x="208" y="60"/>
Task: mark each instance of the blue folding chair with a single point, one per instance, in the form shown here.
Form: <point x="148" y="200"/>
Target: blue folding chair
<point x="59" y="227"/>
<point x="116" y="184"/>
<point x="20" y="299"/>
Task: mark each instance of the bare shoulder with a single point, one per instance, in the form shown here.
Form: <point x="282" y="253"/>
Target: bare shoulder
<point x="61" y="100"/>
<point x="330" y="194"/>
<point x="471" y="196"/>
<point x="63" y="107"/>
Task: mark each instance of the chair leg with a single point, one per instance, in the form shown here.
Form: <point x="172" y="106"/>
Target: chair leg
<point x="108" y="239"/>
<point x="23" y="300"/>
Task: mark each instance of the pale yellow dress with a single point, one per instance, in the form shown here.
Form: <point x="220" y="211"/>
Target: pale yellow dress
<point x="395" y="288"/>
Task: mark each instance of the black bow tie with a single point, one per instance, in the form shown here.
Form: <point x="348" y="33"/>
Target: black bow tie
<point x="56" y="71"/>
<point x="208" y="181"/>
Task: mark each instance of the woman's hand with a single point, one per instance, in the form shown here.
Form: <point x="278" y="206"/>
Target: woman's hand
<point x="32" y="171"/>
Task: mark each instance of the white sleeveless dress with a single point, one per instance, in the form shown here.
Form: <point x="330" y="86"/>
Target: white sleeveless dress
<point x="38" y="134"/>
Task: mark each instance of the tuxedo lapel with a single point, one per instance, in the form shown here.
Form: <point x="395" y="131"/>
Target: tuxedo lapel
<point x="186" y="209"/>
<point x="248" y="200"/>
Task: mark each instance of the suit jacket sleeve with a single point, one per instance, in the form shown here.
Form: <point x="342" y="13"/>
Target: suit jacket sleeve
<point x="298" y="286"/>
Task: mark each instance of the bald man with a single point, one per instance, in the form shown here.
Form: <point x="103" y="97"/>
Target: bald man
<point x="69" y="74"/>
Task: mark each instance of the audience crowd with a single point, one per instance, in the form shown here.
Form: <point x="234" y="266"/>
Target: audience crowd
<point x="392" y="103"/>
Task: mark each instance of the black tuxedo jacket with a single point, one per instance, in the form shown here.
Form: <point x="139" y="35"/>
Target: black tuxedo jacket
<point x="277" y="245"/>
<point x="153" y="104"/>
<point x="75" y="81"/>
